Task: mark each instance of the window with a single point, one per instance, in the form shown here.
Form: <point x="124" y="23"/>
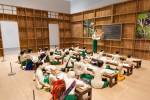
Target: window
<point x="8" y="9"/>
<point x="52" y="14"/>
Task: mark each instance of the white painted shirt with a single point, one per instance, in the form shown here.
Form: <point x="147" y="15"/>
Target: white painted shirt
<point x="116" y="58"/>
<point x="39" y="75"/>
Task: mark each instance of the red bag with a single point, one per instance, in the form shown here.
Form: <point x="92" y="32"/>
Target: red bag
<point x="58" y="89"/>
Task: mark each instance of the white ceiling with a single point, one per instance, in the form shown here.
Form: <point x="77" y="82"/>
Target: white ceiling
<point x="50" y="5"/>
<point x="66" y="6"/>
<point x="82" y="5"/>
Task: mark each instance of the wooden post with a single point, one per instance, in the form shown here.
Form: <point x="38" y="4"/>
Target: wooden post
<point x="11" y="71"/>
<point x="33" y="95"/>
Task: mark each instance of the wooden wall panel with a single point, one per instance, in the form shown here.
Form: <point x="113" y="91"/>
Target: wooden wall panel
<point x="67" y="34"/>
<point x="88" y="41"/>
<point x="24" y="43"/>
<point x="147" y="45"/>
<point x="125" y="8"/>
<point x="100" y="43"/>
<point x="1" y="45"/>
<point x="100" y="48"/>
<point x="130" y="18"/>
<point x="1" y="16"/>
<point x="126" y="52"/>
<point x="101" y="21"/>
<point x="113" y="50"/>
<point x="127" y="44"/>
<point x="143" y="5"/>
<point x="106" y="11"/>
<point x="77" y="30"/>
<point x="32" y="43"/>
<point x="88" y="47"/>
<point x="77" y="42"/>
<point x="1" y="52"/>
<point x="61" y="34"/>
<point x="31" y="34"/>
<point x="128" y="31"/>
<point x="45" y="33"/>
<point x="21" y="12"/>
<point x="138" y="44"/>
<point x="22" y="21"/>
<point x="67" y="25"/>
<point x="22" y="33"/>
<point x="29" y="21"/>
<point x="115" y="43"/>
<point x="28" y="12"/>
<point x="77" y="17"/>
<point x="89" y="15"/>
<point x="138" y="54"/>
<point x="9" y="17"/>
<point x="108" y="49"/>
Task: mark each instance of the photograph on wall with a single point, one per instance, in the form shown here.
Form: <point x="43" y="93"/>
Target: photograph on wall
<point x="143" y="26"/>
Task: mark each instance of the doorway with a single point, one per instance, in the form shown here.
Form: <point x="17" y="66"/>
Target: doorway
<point x="54" y="35"/>
<point x="10" y="37"/>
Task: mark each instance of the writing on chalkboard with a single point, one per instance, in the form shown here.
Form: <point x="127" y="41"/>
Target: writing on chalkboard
<point x="112" y="32"/>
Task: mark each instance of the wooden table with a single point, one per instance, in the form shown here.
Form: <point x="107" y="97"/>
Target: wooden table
<point x="111" y="77"/>
<point x="80" y="92"/>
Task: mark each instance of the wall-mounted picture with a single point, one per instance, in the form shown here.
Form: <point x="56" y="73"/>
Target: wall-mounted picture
<point x="143" y="26"/>
<point x="88" y="28"/>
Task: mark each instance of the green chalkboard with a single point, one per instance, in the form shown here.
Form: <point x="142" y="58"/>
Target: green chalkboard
<point x="112" y="32"/>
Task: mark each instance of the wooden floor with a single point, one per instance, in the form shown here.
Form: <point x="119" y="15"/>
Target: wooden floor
<point x="21" y="85"/>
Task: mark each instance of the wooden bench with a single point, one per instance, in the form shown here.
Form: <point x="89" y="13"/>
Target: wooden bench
<point x="80" y="92"/>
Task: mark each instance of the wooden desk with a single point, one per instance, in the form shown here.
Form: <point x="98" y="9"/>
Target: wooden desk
<point x="111" y="55"/>
<point x="108" y="55"/>
<point x="111" y="63"/>
<point x="111" y="77"/>
<point x="80" y="92"/>
<point x="129" y="70"/>
<point x="76" y="54"/>
<point x="138" y="63"/>
<point x="59" y="58"/>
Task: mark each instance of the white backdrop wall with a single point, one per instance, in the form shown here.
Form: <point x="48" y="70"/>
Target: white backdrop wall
<point x="50" y="5"/>
<point x="81" y="5"/>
